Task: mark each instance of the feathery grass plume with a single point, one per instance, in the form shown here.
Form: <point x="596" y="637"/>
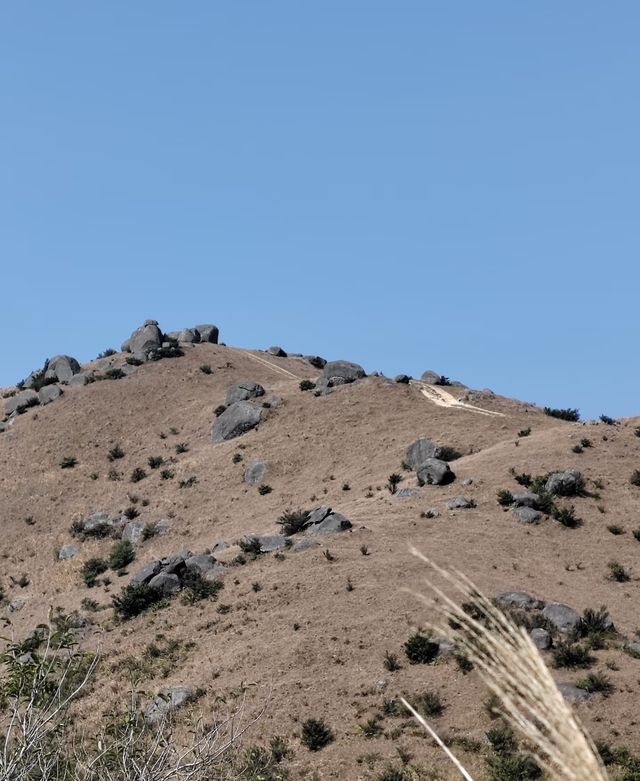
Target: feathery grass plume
<point x="511" y="666"/>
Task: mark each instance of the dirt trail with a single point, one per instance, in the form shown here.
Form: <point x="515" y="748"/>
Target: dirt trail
<point x="444" y="399"/>
<point x="273" y="366"/>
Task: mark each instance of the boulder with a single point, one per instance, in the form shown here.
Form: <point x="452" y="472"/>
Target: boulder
<point x="567" y="483"/>
<point x="420" y="451"/>
<point x="345" y="370"/>
<point x="146" y="573"/>
<point x="564" y="618"/>
<point x="304" y="544"/>
<point x="434" y="472"/>
<point x="235" y="421"/>
<point x="68" y="551"/>
<point x="540" y="638"/>
<point x="132" y="532"/>
<point x="17" y="603"/>
<point x="202" y="562"/>
<point x="525" y="499"/>
<point x="519" y="599"/>
<point x="316" y="361"/>
<point x="96" y="521"/>
<point x="243" y="391"/>
<point x="460" y="503"/>
<point x="402" y="379"/>
<point x="62" y="367"/>
<point x="323" y="387"/>
<point x="189" y="335"/>
<point x="49" y="393"/>
<point x="430" y="377"/>
<point x="167" y="702"/>
<point x="278" y="352"/>
<point x="526" y="514"/>
<point x="573" y="693"/>
<point x="318" y="514"/>
<point x="167" y="583"/>
<point x="82" y="378"/>
<point x="145" y="339"/>
<point x="254" y="472"/>
<point x="269" y="542"/>
<point x="208" y="333"/>
<point x="633" y="648"/>
<point x="334" y="522"/>
<point x="176" y="563"/>
<point x="403" y="493"/>
<point x="21" y="401"/>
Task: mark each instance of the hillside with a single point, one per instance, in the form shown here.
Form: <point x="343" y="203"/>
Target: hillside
<point x="304" y="631"/>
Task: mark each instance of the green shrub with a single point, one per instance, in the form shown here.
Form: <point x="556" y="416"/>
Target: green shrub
<point x="155" y="462"/>
<point x="566" y="516"/>
<point x="393" y="481"/>
<point x="219" y="410"/>
<point x="133" y="361"/>
<point x="38" y="380"/>
<point x="608" y="421"/>
<point x="586" y="442"/>
<point x="167" y="474"/>
<point x="306" y="385"/>
<point x="122" y="554"/>
<point x="563" y="414"/>
<point x="130" y="513"/>
<point x="523" y="479"/>
<point x="206" y="369"/>
<point x="190" y="481"/>
<point x="617" y="572"/>
<point x="421" y="649"/>
<point x="315" y="734"/>
<point x="635" y="477"/>
<point x="135" y="599"/>
<point x="442" y="380"/>
<point x="91" y="569"/>
<point x="594" y="625"/>
<point x="391" y="662"/>
<point x="595" y="683"/>
<point x="505" y="498"/>
<point x="264" y="489"/>
<point x="166" y="352"/>
<point x="113" y="374"/>
<point x="150" y="530"/>
<point x="524" y="432"/>
<point x="182" y="447"/>
<point x="251" y="546"/>
<point x="68" y="462"/>
<point x="371" y="728"/>
<point x="570" y="654"/>
<point x="106" y="353"/>
<point x="616" y="530"/>
<point x="293" y="521"/>
<point x="513" y="767"/>
<point x="114" y="475"/>
<point x="137" y="475"/>
<point x="394" y="774"/>
<point x="237" y="458"/>
<point x="428" y="704"/>
<point x="501" y="739"/>
<point x="196" y="587"/>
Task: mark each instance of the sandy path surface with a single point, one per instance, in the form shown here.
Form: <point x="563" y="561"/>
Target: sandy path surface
<point x="444" y="399"/>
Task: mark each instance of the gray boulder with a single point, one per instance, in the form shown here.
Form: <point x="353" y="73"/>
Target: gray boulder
<point x="167" y="583"/>
<point x="334" y="522"/>
<point x="167" y="702"/>
<point x="633" y="649"/>
<point x="17" y="603"/>
<point x="49" y="393"/>
<point x="269" y="542"/>
<point x="565" y="483"/>
<point x="305" y="543"/>
<point x="460" y="503"/>
<point x="540" y="638"/>
<point x="202" y="562"/>
<point x="254" y="472"/>
<point x="68" y="551"/>
<point x="243" y="391"/>
<point x="82" y="378"/>
<point x="430" y="377"/>
<point x="146" y="573"/>
<point x="404" y="493"/>
<point x="564" y="618"/>
<point x="62" y="367"/>
<point x="525" y="499"/>
<point x="144" y="340"/>
<point x="21" y="401"/>
<point x="345" y="370"/>
<point x="278" y="352"/>
<point x="519" y="599"/>
<point x="132" y="532"/>
<point x="235" y="421"/>
<point x="97" y="521"/>
<point x="208" y="333"/>
<point x="402" y="379"/>
<point x="526" y="514"/>
<point x="323" y="387"/>
<point x="318" y="514"/>
<point x="573" y="693"/>
<point x="189" y="336"/>
<point x="434" y="472"/>
<point x="421" y="451"/>
<point x="316" y="361"/>
<point x="176" y="564"/>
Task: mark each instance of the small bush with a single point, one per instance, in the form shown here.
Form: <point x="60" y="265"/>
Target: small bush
<point x="115" y="453"/>
<point x="617" y="572"/>
<point x="113" y="374"/>
<point x="586" y="443"/>
<point x="166" y="352"/>
<point x="190" y="481"/>
<point x="155" y="462"/>
<point x="91" y="569"/>
<point x="135" y="599"/>
<point x="131" y="513"/>
<point x="608" y="421"/>
<point x="570" y="654"/>
<point x="114" y="475"/>
<point x="523" y="479"/>
<point x="428" y="704"/>
<point x="206" y="369"/>
<point x="615" y="529"/>
<point x="513" y="767"/>
<point x="572" y="415"/>
<point x="577" y="449"/>
<point x="122" y="554"/>
<point x="421" y="649"/>
<point x="196" y="587"/>
<point x="442" y="380"/>
<point x="636" y="534"/>
<point x="391" y="662"/>
<point x="635" y="477"/>
<point x="293" y="521"/>
<point x="505" y="498"/>
<point x="595" y="683"/>
<point x="133" y="361"/>
<point x="219" y="410"/>
<point x="594" y="625"/>
<point x="251" y="546"/>
<point x="315" y="734"/>
<point x="393" y="481"/>
<point x="264" y="489"/>
<point x="149" y="530"/>
<point x="182" y="447"/>
<point x="307" y="385"/>
<point x="167" y="474"/>
<point x="371" y="728"/>
<point x="68" y="462"/>
<point x="566" y="516"/>
<point x="524" y="432"/>
<point x="237" y="458"/>
<point x="501" y="739"/>
<point x="106" y="353"/>
<point x="137" y="475"/>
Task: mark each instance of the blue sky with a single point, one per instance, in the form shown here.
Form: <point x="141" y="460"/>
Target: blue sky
<point x="408" y="185"/>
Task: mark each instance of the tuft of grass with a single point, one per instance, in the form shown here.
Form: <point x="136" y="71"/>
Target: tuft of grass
<point x="393" y="481"/>
<point x="429" y="704"/>
<point x="155" y="462"/>
<point x="206" y="369"/>
<point x="617" y="572"/>
<point x="137" y="475"/>
<point x="293" y="521"/>
<point x="595" y="683"/>
<point x="566" y="516"/>
<point x="131" y="513"/>
<point x="115" y="453"/>
<point x="264" y="489"/>
<point x="635" y="477"/>
<point x="122" y="554"/>
<point x="306" y="385"/>
<point x="570" y="654"/>
<point x="316" y="734"/>
<point x="391" y="662"/>
<point x="421" y="649"/>
<point x="68" y="462"/>
<point x="182" y="447"/>
<point x="615" y="529"/>
<point x="524" y="432"/>
<point x="136" y="598"/>
<point x="91" y="569"/>
<point x="237" y="458"/>
<point x="505" y="498"/>
<point x="167" y="474"/>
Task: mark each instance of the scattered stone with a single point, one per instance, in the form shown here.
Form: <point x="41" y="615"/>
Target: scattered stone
<point x="17" y="604"/>
<point x="316" y="361"/>
<point x="467" y="482"/>
<point x="434" y="472"/>
<point x="62" y="368"/>
<point x="334" y="522"/>
<point x="202" y="562"/>
<point x="421" y="451"/>
<point x="430" y="377"/>
<point x="519" y="599"/>
<point x="278" y="352"/>
<point x="432" y="513"/>
<point x="344" y="370"/>
<point x="318" y="514"/>
<point x="526" y="514"/>
<point x="146" y="573"/>
<point x="564" y="483"/>
<point x="573" y="694"/>
<point x="236" y="420"/>
<point x="243" y="391"/>
<point x="460" y="503"/>
<point x="167" y="583"/>
<point x="526" y="499"/>
<point x="68" y="551"/>
<point x="167" y="702"/>
<point x="208" y="333"/>
<point x="323" y="387"/>
<point x="541" y="639"/>
<point x="562" y="617"/>
<point x="402" y="379"/>
<point x="254" y="472"/>
<point x="132" y="532"/>
<point x="21" y="401"/>
<point x="49" y="393"/>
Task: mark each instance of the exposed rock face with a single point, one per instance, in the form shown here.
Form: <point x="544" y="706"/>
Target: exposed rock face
<point x="564" y="618"/>
<point x="243" y="391"/>
<point x="49" y="393"/>
<point x="168" y="701"/>
<point x="62" y="368"/>
<point x="526" y="499"/>
<point x="236" y="420"/>
<point x="202" y="562"/>
<point x="189" y="336"/>
<point x="68" y="551"/>
<point x="316" y="361"/>
<point x="345" y="370"/>
<point x="402" y="379"/>
<point x="278" y="352"/>
<point x="434" y="472"/>
<point x="573" y="694"/>
<point x="144" y="340"/>
<point x="323" y="520"/>
<point x="208" y="333"/>
<point x="421" y="451"/>
<point x="132" y="532"/>
<point x="144" y="574"/>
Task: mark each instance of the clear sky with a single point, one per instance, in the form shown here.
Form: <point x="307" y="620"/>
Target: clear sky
<point x="409" y="185"/>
